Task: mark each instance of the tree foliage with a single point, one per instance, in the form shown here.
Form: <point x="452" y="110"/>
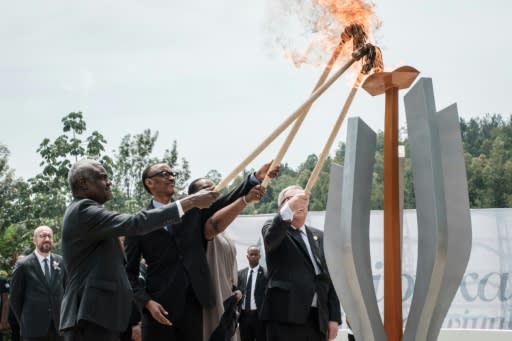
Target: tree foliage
<point x="42" y="199"/>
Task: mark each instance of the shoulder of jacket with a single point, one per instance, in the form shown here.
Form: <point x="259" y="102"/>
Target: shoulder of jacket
<point x="315" y="230"/>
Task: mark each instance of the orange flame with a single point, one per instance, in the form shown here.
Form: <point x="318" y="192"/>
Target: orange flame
<point x="326" y="20"/>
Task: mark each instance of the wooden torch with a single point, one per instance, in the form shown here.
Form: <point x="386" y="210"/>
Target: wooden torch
<point x="389" y="83"/>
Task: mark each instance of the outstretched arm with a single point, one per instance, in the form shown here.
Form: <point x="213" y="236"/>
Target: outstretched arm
<point x="221" y="219"/>
<point x="225" y="216"/>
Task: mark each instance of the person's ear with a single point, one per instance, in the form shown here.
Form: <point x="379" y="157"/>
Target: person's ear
<point x="82" y="184"/>
<point x="148" y="182"/>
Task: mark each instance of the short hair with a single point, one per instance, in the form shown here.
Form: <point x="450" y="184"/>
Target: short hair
<point x="145" y="174"/>
<point x="254" y="247"/>
<point x="192" y="188"/>
<point x="280" y="197"/>
<point x="81" y="169"/>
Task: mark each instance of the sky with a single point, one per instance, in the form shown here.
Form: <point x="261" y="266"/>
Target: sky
<point x="211" y="75"/>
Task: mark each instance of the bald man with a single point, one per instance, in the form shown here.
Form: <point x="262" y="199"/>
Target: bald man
<point x="37" y="288"/>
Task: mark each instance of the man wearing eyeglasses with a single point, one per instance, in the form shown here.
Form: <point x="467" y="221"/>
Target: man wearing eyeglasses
<point x="36" y="289"/>
<point x="300" y="303"/>
<point x="178" y="283"/>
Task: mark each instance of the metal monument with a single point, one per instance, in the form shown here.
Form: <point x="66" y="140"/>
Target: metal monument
<point x="442" y="206"/>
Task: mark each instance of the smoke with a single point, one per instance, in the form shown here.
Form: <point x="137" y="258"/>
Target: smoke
<point x="307" y="31"/>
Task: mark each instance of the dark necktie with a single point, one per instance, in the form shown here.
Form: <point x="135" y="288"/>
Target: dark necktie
<point x="248" y="293"/>
<point x="298" y="234"/>
<point x="46" y="270"/>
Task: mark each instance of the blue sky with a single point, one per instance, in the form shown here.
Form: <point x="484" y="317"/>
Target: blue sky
<point x="210" y="75"/>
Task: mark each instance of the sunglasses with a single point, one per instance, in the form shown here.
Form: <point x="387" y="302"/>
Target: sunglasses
<point x="163" y="174"/>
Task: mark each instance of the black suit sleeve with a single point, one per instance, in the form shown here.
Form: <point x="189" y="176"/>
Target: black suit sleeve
<point x="226" y="199"/>
<point x="17" y="291"/>
<point x="334" y="304"/>
<point x="133" y="256"/>
<point x="274" y="232"/>
<point x="102" y="223"/>
<point x="239" y="282"/>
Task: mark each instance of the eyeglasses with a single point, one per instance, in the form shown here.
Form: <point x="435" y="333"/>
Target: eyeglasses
<point x="163" y="174"/>
<point x="44" y="236"/>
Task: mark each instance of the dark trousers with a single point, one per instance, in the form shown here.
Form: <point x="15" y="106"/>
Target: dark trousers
<point x="189" y="327"/>
<point x="52" y="335"/>
<point x="308" y="331"/>
<point x="251" y="328"/>
<point x="88" y="331"/>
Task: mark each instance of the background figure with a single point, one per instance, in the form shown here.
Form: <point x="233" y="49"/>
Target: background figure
<point x="13" y="322"/>
<point x="98" y="297"/>
<point x="300" y="303"/>
<point x="37" y="288"/>
<point x="252" y="281"/>
<point x="4" y="306"/>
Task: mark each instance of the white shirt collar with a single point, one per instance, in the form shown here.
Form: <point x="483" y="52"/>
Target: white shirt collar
<point x="157" y="204"/>
<point x="40" y="257"/>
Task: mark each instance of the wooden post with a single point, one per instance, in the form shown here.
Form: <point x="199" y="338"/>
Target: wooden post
<point x="389" y="83"/>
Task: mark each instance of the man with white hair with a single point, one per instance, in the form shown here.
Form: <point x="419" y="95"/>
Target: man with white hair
<point x="300" y="302"/>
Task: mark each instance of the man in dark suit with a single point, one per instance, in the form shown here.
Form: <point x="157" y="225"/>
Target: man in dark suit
<point x="300" y="302"/>
<point x="98" y="297"/>
<point x="252" y="281"/>
<point x="37" y="287"/>
<point x="178" y="283"/>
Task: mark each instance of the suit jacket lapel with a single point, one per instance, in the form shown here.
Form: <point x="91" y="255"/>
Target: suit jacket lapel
<point x="299" y="244"/>
<point x="259" y="277"/>
<point x="313" y="243"/>
<point x="54" y="270"/>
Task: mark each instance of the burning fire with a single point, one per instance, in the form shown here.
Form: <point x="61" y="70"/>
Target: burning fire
<point x="323" y="21"/>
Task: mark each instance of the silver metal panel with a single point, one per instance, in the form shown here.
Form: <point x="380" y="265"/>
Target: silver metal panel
<point x="458" y="214"/>
<point x="346" y="242"/>
<point x="430" y="207"/>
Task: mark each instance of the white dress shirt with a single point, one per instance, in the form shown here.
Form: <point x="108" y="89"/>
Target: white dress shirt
<point x="41" y="259"/>
<point x="252" y="284"/>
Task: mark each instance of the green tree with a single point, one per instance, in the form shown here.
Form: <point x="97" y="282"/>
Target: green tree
<point x="49" y="191"/>
<point x="134" y="154"/>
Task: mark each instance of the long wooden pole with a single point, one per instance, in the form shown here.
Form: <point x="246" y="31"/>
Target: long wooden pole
<point x="312" y="98"/>
<point x="327" y="147"/>
<point x="392" y="258"/>
<point x="298" y="122"/>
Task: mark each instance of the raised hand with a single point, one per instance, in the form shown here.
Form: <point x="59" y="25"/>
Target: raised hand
<point x="255" y="194"/>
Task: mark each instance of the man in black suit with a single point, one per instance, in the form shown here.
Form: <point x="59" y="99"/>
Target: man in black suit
<point x="252" y="281"/>
<point x="37" y="287"/>
<point x="178" y="283"/>
<point x="300" y="302"/>
<point x="98" y="297"/>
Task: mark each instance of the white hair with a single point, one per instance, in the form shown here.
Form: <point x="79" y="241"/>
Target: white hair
<point x="281" y="197"/>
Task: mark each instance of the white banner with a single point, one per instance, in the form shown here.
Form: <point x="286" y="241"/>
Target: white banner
<point x="484" y="298"/>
